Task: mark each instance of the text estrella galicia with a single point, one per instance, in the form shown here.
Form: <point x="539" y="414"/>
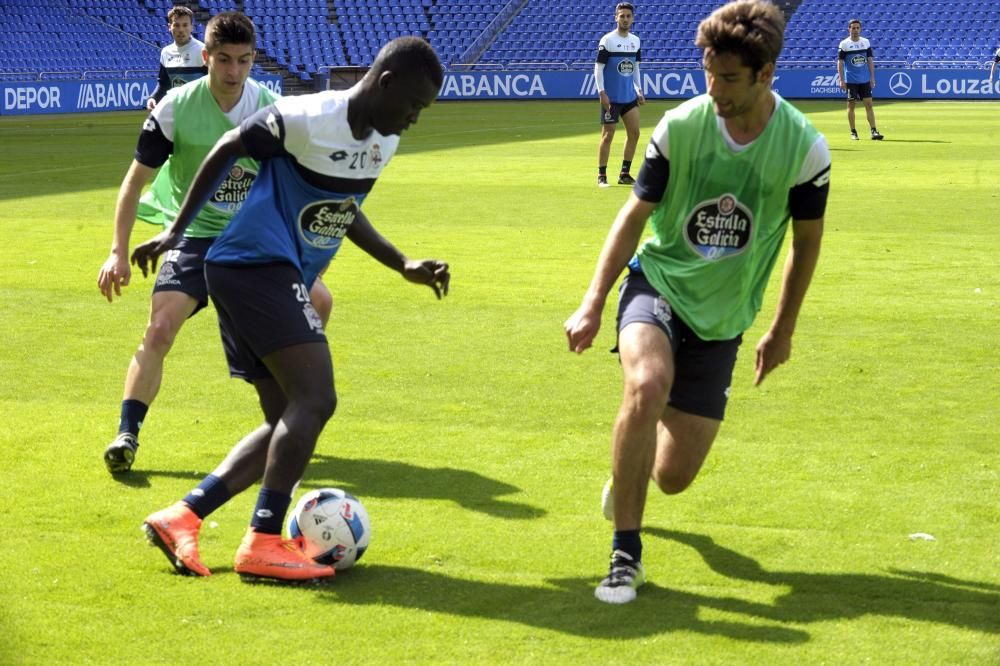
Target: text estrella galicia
<point x="323" y="224"/>
<point x="719" y="228"/>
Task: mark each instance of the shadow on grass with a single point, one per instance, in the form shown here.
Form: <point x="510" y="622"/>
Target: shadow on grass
<point x="819" y="597"/>
<point x="915" y="141"/>
<point x="565" y="605"/>
<point x="568" y="606"/>
<point x="386" y="478"/>
<point x="141" y="478"/>
<point x="368" y="477"/>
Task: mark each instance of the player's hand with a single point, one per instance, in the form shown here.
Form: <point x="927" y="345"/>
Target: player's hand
<point x="640" y="99"/>
<point x="145" y="256"/>
<point x="772" y="350"/>
<point x="843" y="85"/>
<point x="605" y="101"/>
<point x="431" y="272"/>
<point x="114" y="274"/>
<point x="150" y="104"/>
<point x="582" y="327"/>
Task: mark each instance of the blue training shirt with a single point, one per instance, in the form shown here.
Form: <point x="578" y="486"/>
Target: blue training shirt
<point x="314" y="176"/>
<point x="620" y="57"/>
<point x="855" y="56"/>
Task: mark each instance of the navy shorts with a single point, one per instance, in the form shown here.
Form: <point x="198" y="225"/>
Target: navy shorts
<point x="611" y="116"/>
<point x="703" y="369"/>
<point x="183" y="269"/>
<point x="858" y="91"/>
<point x="262" y="308"/>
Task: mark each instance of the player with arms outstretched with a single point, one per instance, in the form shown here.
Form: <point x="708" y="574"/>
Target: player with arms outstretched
<point x="724" y="173"/>
<point x="320" y="157"/>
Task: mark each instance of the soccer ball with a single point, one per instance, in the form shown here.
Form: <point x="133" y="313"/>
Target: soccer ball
<point x="334" y="527"/>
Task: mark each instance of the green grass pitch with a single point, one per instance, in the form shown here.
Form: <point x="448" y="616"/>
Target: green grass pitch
<point x="479" y="444"/>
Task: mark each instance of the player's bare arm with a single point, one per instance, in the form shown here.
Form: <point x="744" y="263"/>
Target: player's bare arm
<point x="775" y="347"/>
<point x="217" y="163"/>
<point x="430" y="272"/>
<point x="116" y="271"/>
<point x="623" y="239"/>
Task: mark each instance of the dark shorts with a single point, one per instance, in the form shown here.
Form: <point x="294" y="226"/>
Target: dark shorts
<point x="183" y="269"/>
<point x="858" y="91"/>
<point x="262" y="309"/>
<point x="617" y="111"/>
<point x="703" y="368"/>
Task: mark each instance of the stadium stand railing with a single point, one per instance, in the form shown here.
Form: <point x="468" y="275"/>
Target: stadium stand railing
<point x="303" y="39"/>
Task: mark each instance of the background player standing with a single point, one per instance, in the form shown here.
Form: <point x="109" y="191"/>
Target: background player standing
<point x="856" y="71"/>
<point x="620" y="88"/>
<point x="181" y="61"/>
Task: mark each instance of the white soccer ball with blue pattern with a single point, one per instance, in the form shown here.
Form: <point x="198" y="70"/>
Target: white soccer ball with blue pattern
<point x="334" y="527"/>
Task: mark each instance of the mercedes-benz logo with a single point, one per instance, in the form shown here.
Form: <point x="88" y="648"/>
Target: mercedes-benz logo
<point x="900" y="83"/>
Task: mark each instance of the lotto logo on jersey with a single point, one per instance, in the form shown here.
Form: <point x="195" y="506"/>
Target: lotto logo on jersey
<point x="719" y="228"/>
<point x="626" y="67"/>
<point x="233" y="190"/>
<point x="323" y="224"/>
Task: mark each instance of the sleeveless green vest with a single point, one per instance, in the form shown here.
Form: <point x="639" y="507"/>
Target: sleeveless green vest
<point x="719" y="228"/>
<point x="198" y="124"/>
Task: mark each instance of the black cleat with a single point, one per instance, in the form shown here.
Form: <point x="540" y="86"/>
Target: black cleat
<point x="602" y="181"/>
<point x="876" y="136"/>
<point x="120" y="454"/>
<point x="625" y="179"/>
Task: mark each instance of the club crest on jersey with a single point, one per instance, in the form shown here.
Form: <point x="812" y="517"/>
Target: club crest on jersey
<point x="323" y="224"/>
<point x="719" y="228"/>
<point x="233" y="191"/>
<point x="376" y="155"/>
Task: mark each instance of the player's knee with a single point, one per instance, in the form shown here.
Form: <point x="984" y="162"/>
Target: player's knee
<point x="672" y="480"/>
<point x="160" y="334"/>
<point x="646" y="391"/>
<point x="322" y="405"/>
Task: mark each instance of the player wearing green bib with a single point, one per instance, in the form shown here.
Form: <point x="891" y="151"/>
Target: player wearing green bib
<point x="175" y="138"/>
<point x="724" y="173"/>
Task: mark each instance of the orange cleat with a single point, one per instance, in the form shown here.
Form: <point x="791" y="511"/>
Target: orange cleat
<point x="174" y="530"/>
<point x="268" y="556"/>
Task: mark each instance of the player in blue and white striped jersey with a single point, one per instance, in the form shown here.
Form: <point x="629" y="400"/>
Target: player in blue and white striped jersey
<point x="856" y="71"/>
<point x="319" y="157"/>
<point x="620" y="88"/>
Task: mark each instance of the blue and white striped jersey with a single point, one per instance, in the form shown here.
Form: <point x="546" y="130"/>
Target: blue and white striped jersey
<point x="855" y="56"/>
<point x="313" y="177"/>
<point x="618" y="63"/>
